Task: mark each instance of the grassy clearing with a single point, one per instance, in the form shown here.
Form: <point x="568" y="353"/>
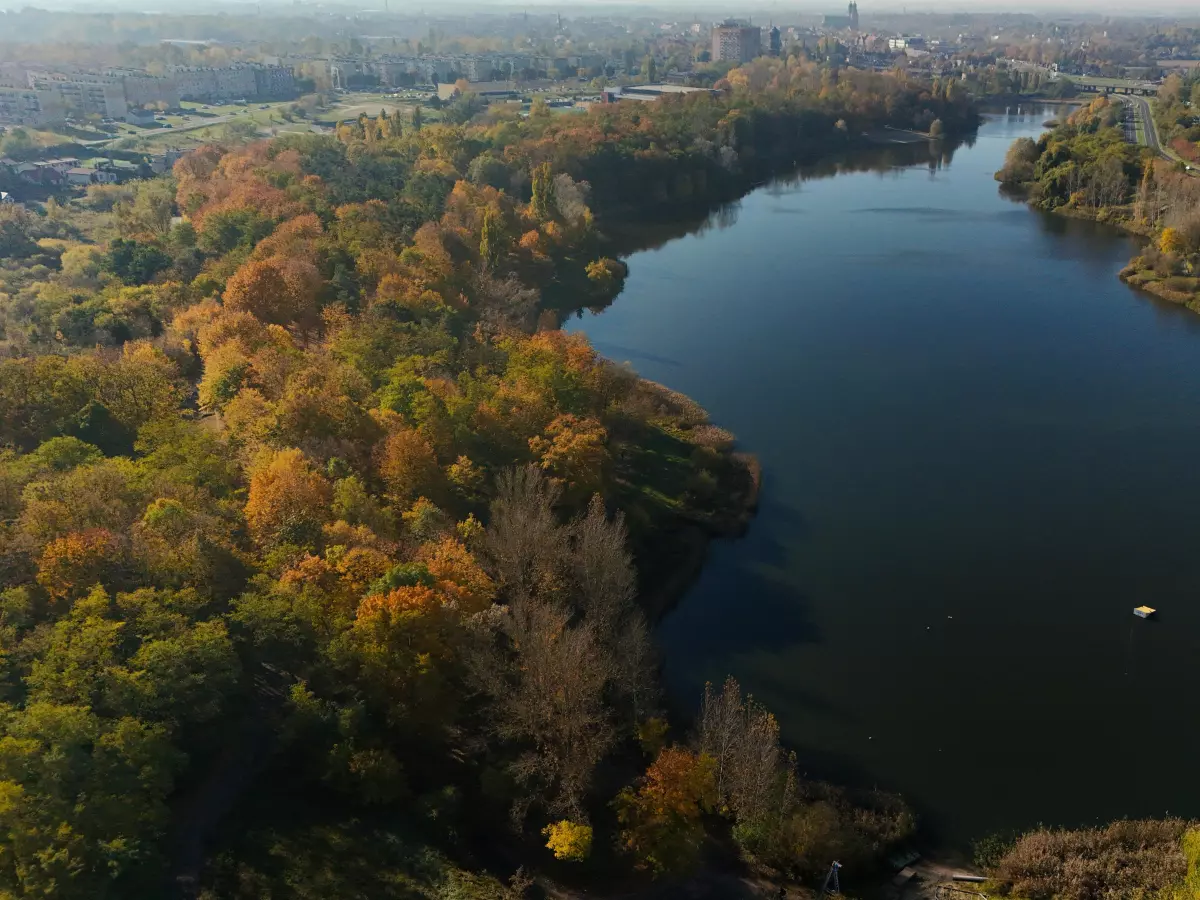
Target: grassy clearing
<point x="340" y="113"/>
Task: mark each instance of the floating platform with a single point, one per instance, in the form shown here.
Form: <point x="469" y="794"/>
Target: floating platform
<point x="1144" y="612"/>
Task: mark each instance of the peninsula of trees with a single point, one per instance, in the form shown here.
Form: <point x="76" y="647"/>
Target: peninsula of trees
<point x="321" y="547"/>
<point x="1085" y="167"/>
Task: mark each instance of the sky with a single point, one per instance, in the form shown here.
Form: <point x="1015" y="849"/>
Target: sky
<point x="707" y="9"/>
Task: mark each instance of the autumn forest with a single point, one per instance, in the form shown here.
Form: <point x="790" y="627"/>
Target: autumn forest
<point x="329" y="563"/>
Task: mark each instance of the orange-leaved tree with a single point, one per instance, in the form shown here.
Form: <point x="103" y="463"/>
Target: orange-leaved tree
<point x="288" y="500"/>
<point x="662" y="821"/>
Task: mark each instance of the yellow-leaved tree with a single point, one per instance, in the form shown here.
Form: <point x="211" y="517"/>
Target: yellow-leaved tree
<point x="569" y="840"/>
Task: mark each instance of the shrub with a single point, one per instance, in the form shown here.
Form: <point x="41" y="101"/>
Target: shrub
<point x="1119" y="860"/>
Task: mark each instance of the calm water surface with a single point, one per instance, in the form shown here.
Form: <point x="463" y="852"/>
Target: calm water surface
<point x="981" y="450"/>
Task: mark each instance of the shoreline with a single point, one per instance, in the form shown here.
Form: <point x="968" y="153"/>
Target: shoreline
<point x="1131" y="274"/>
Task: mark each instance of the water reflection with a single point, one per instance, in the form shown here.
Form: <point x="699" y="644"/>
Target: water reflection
<point x="978" y="449"/>
<point x="885" y="159"/>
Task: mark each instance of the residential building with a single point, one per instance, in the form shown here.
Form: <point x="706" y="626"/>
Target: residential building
<point x="145" y="90"/>
<point x="161" y="162"/>
<point x="142" y="117"/>
<point x="80" y="177"/>
<point x="26" y="106"/>
<point x="204" y="83"/>
<point x="63" y="165"/>
<point x="275" y="82"/>
<point x="733" y="42"/>
<point x="40" y="173"/>
<point x="7" y="199"/>
<point x="84" y="94"/>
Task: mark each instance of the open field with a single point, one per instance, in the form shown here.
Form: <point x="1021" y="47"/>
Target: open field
<point x="199" y="126"/>
<point x="341" y="113"/>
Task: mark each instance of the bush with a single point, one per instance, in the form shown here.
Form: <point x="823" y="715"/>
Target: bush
<point x="1119" y="860"/>
<point x="1183" y="284"/>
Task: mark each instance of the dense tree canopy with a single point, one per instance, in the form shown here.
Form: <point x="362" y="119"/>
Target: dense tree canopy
<point x="307" y="493"/>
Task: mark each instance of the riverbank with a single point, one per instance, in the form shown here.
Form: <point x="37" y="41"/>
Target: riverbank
<point x="1148" y="275"/>
<point x="672" y="558"/>
<point x="1084" y="168"/>
<point x="1181" y="290"/>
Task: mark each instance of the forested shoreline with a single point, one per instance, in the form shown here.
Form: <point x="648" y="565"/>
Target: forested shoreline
<point x="325" y="555"/>
<point x="1084" y="167"/>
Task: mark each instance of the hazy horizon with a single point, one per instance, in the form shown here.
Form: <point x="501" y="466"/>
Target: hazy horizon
<point x="704" y="10"/>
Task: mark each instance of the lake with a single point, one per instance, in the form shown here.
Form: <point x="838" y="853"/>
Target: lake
<point x="981" y="451"/>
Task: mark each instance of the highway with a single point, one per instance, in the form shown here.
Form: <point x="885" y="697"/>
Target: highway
<point x="1148" y="130"/>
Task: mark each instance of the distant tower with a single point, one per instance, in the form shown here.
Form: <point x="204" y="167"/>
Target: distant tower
<point x="776" y="41"/>
<point x="854" y="14"/>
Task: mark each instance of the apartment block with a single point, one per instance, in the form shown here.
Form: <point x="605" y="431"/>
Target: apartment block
<point x="84" y="94"/>
<point x="733" y="42"/>
<point x="26" y="106"/>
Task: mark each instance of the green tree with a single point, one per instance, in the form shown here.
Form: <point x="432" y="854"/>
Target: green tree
<point x="83" y="801"/>
<point x="542" y="202"/>
<point x="135" y="262"/>
<point x="487" y="241"/>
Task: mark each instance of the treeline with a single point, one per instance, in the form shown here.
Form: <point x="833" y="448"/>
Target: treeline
<point x="1082" y="164"/>
<point x="1175" y="114"/>
<point x="303" y="516"/>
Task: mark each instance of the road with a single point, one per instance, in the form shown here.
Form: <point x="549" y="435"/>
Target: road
<point x="1148" y="130"/>
<point x="162" y="132"/>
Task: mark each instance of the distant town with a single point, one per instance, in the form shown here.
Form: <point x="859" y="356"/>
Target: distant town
<point x="135" y="115"/>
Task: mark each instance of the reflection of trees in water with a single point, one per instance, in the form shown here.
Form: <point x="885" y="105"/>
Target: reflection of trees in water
<point x="725" y="216"/>
<point x="705" y="216"/>
<point x="1095" y="242"/>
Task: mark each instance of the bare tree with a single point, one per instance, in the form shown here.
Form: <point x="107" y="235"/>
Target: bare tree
<point x="758" y="765"/>
<point x="1107" y="184"/>
<point x="571" y="198"/>
<point x="755" y="777"/>
<point x="568" y="665"/>
<point x="524" y="542"/>
<point x="719" y="726"/>
<point x="606" y="594"/>
<point x="507" y="304"/>
<point x="636" y="668"/>
<point x="547" y="689"/>
<point x="603" y="567"/>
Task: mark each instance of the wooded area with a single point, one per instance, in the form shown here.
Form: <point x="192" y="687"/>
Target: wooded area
<point x="310" y="512"/>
